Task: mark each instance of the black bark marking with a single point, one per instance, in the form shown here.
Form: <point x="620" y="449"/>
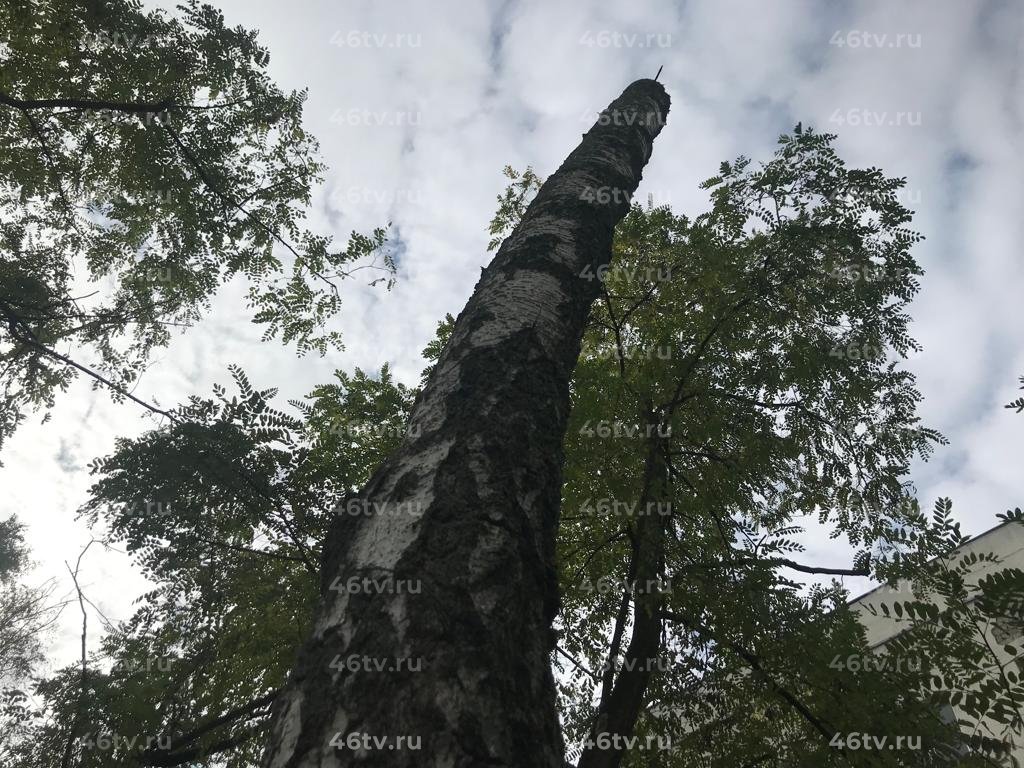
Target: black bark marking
<point x="483" y="550"/>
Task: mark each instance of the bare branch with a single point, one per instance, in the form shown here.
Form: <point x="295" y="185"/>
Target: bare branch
<point x="80" y="709"/>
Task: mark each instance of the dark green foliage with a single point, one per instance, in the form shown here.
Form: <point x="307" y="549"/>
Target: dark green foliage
<point x="1018" y="404"/>
<point x="12" y="547"/>
<point x="225" y="512"/>
<point x="967" y="620"/>
<point x="25" y="613"/>
<point x="762" y="340"/>
<point x="146" y="159"/>
<point x="512" y="203"/>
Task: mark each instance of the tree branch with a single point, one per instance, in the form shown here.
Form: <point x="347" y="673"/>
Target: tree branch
<point x="26" y="336"/>
<point x="166" y="757"/>
<point x="781" y="561"/>
<point x="230" y="201"/>
<point x="755" y="664"/>
<point x="129" y="108"/>
<point x="576" y="664"/>
<point x="80" y="708"/>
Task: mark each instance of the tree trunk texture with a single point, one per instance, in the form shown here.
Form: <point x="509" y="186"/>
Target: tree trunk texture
<point x="621" y="703"/>
<point x="443" y="565"/>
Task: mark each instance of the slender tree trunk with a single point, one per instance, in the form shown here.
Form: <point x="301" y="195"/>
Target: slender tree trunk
<point x="449" y="575"/>
<point x="622" y="702"/>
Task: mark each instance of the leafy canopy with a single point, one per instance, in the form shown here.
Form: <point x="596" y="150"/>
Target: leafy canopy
<point x="751" y="356"/>
<point x="146" y="159"/>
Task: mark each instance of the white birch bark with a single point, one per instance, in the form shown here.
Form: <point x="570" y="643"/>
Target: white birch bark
<point x="459" y="544"/>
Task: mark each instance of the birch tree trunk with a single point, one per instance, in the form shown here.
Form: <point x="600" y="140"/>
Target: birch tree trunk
<point x="442" y="567"/>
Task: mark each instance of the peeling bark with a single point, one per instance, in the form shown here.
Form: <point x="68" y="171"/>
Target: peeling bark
<point x="459" y="549"/>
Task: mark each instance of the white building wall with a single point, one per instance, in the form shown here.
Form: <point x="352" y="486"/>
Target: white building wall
<point x="1006" y="541"/>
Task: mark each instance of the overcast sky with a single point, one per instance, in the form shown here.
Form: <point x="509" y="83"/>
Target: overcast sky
<point x="419" y="105"/>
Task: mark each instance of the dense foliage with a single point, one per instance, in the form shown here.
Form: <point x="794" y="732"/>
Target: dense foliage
<point x="740" y="380"/>
<point x="146" y="159"/>
<point x="739" y="377"/>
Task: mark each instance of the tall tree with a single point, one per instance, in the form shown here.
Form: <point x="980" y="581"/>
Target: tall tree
<point x="456" y="570"/>
<point x="25" y="613"/>
<point x="21" y="608"/>
<point x="683" y="637"/>
<point x="231" y="546"/>
<point x="740" y="372"/>
<point x="745" y="359"/>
